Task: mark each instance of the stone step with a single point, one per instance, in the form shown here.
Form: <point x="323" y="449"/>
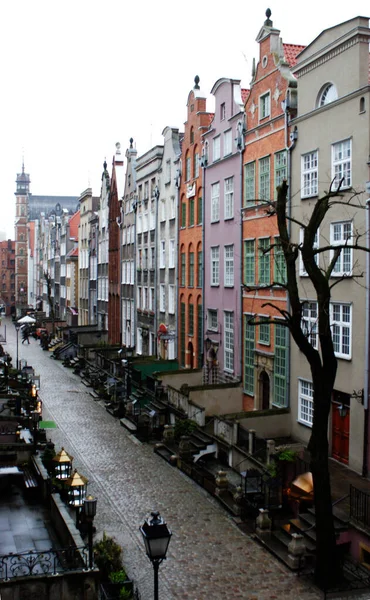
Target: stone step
<point x="302" y="527"/>
<point x="284" y="534"/>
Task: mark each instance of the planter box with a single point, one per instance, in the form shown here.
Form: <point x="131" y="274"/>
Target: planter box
<point x="111" y="591"/>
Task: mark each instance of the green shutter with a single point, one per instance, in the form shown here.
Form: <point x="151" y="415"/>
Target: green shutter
<point x="199" y="335"/>
<point x="182" y="334"/>
<point x="280" y="366"/>
<point x="249" y="345"/>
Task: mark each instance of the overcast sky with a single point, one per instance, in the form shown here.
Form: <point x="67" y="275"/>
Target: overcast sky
<point x="79" y="76"/>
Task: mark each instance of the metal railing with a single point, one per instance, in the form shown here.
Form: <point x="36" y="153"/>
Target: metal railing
<point x="359" y="506"/>
<point x="49" y="562"/>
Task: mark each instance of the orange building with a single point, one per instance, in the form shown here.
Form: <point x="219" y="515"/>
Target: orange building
<point x="7" y="276"/>
<point x="190" y="327"/>
<point x="269" y="107"/>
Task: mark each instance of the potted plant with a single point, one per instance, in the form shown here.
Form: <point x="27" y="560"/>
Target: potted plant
<point x="108" y="558"/>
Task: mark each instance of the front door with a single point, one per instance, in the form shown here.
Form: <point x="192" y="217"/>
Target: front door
<point x="340" y="426"/>
<point x="264" y="390"/>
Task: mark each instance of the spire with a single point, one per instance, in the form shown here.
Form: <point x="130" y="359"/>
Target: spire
<point x="131" y="142"/>
<point x="196" y="81"/>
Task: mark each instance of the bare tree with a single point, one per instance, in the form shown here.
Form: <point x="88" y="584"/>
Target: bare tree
<point x="47" y="278"/>
<point x="322" y="362"/>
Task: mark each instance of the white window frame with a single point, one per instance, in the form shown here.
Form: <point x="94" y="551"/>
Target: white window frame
<point x="138" y="298"/>
<point x="215" y="202"/>
<point x="212" y="317"/>
<point x="162" y="255"/>
<point x="310" y="322"/>
<point x="139" y="341"/>
<point x="310" y="174"/>
<point x="151" y="298"/>
<point x="229" y="265"/>
<point x="216" y="148"/>
<point x="228" y="142"/>
<point x="171" y="258"/>
<point x="162" y="298"/>
<point x="302" y="270"/>
<point x="341" y="157"/>
<point x="265" y="105"/>
<point x="305" y="402"/>
<point x="341" y="329"/>
<point x="229" y="341"/>
<point x="171" y="299"/>
<point x="264" y="175"/>
<point x="341" y="232"/>
<point x="215" y="265"/>
<point x="229" y="198"/>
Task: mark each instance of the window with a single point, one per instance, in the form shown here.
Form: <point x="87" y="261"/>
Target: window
<point x="162" y="298"/>
<point x="151" y="298"/>
<point x="264" y="178"/>
<point x="215" y="202"/>
<point x="168" y="171"/>
<point x="249" y="262"/>
<point x="341" y="163"/>
<point x="264" y="261"/>
<point x="229" y="341"/>
<point x="340" y="235"/>
<point x="328" y="94"/>
<point x="191" y="319"/>
<point x="341" y="328"/>
<point x="309" y="170"/>
<point x="229" y="265"/>
<point x="146" y="190"/>
<point x="192" y="135"/>
<point x="279" y="263"/>
<point x="302" y="270"/>
<point x="280" y="365"/>
<point x="228" y="142"/>
<point x="249" y="184"/>
<point x="280" y="168"/>
<point x="162" y="263"/>
<point x="145" y="298"/>
<point x="264" y="333"/>
<point x="229" y="198"/>
<point x="183" y="214"/>
<point x="183" y="269"/>
<point x="139" y="297"/>
<point x="182" y="334"/>
<point x="191" y="269"/>
<point x="212" y="320"/>
<point x="305" y="402"/>
<point x="191" y="212"/>
<point x="171" y="261"/>
<point x="216" y="148"/>
<point x="196" y="164"/>
<point x="222" y="112"/>
<point x="309" y="323"/>
<point x="249" y="344"/>
<point x="152" y="257"/>
<point x="200" y="268"/>
<point x="215" y="265"/>
<point x="265" y="105"/>
<point x="187" y="168"/>
<point x="200" y="211"/>
<point x="171" y="299"/>
<point x="139" y="344"/>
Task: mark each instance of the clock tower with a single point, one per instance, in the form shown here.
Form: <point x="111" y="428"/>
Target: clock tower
<point x="21" y="243"/>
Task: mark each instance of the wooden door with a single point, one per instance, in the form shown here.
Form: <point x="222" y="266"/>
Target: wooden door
<point x="340" y="434"/>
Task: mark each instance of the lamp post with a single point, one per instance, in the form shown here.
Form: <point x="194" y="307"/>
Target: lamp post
<point x="77" y="492"/>
<point x="90" y="512"/>
<point x="156" y="537"/>
<point x="35" y="420"/>
<point x="17" y="328"/>
<point x="63" y="464"/>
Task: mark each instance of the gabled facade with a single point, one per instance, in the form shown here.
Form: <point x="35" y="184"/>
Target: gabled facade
<point x="269" y="107"/>
<point x="166" y="226"/>
<point x="190" y="224"/>
<point x="114" y="248"/>
<point x="88" y="206"/>
<point x="102" y="250"/>
<point x="128" y="249"/>
<point x="146" y="259"/>
<point x="7" y="276"/>
<point x="333" y="144"/>
<point x="222" y="233"/>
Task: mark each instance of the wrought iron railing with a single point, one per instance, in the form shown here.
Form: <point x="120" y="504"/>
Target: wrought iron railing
<point x="49" y="562"/>
<point x="359" y="507"/>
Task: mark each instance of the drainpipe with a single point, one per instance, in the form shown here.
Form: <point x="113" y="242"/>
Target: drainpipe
<point x="241" y="264"/>
<point x="156" y="238"/>
<point x="178" y="183"/>
<point x="204" y="165"/>
<point x="365" y="460"/>
<point x="133" y="318"/>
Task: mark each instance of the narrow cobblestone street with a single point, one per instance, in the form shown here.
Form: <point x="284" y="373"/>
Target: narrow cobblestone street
<point x="209" y="557"/>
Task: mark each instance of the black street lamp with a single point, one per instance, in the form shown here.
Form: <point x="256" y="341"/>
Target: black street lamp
<point x="90" y="512"/>
<point x="77" y="485"/>
<point x="63" y="464"/>
<point x="35" y="422"/>
<point x="17" y="328"/>
<point x="156" y="537"/>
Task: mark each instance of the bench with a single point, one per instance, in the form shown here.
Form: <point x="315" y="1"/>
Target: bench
<point x="128" y="425"/>
<point x="30" y="480"/>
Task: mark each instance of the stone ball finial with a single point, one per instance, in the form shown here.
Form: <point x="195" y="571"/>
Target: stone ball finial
<point x="268" y="21"/>
<point x="196" y="81"/>
<point x="131" y="142"/>
<point x="268" y="13"/>
<point x="105" y="165"/>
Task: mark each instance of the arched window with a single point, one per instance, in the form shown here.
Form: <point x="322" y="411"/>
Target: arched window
<point x="187" y="167"/>
<point x="192" y="135"/>
<point x="362" y="105"/>
<point x="327" y="94"/>
<point x="196" y="162"/>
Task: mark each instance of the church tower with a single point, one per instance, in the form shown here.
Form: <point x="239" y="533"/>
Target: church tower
<point x="21" y="198"/>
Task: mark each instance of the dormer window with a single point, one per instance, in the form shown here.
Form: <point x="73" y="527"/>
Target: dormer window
<point x="223" y="112"/>
<point x="328" y="94"/>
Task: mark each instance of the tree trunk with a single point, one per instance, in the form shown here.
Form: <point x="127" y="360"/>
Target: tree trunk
<point x="328" y="568"/>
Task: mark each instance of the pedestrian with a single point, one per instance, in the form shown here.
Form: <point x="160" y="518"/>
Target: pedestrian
<point x="25" y="335"/>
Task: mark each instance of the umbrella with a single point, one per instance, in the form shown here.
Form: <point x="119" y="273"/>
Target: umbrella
<point x="27" y="319"/>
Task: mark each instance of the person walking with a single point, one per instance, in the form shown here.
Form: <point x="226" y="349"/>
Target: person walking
<point x="25" y="335"/>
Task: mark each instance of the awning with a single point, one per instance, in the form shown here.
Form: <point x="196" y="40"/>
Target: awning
<point x="47" y="425"/>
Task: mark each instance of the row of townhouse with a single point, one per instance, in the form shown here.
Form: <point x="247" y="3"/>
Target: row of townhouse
<point x="182" y="249"/>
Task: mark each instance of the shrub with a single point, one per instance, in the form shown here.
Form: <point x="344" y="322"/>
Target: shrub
<point x="118" y="576"/>
<point x="108" y="556"/>
<point x="184" y="427"/>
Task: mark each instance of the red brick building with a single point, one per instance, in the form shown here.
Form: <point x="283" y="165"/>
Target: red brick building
<point x="21" y="245"/>
<point x="7" y="276"/>
<point x="269" y="107"/>
<point x="190" y="327"/>
<point x="114" y="267"/>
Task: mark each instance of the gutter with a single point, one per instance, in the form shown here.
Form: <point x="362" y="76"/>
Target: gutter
<point x="365" y="459"/>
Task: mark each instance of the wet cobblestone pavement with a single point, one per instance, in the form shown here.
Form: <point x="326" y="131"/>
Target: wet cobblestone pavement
<point x="209" y="558"/>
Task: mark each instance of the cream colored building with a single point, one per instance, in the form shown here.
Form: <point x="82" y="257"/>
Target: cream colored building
<point x="333" y="135"/>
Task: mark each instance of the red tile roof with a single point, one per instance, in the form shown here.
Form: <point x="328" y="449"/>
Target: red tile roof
<point x="74" y="222"/>
<point x="245" y="94"/>
<point x="73" y="252"/>
<point x="291" y="52"/>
